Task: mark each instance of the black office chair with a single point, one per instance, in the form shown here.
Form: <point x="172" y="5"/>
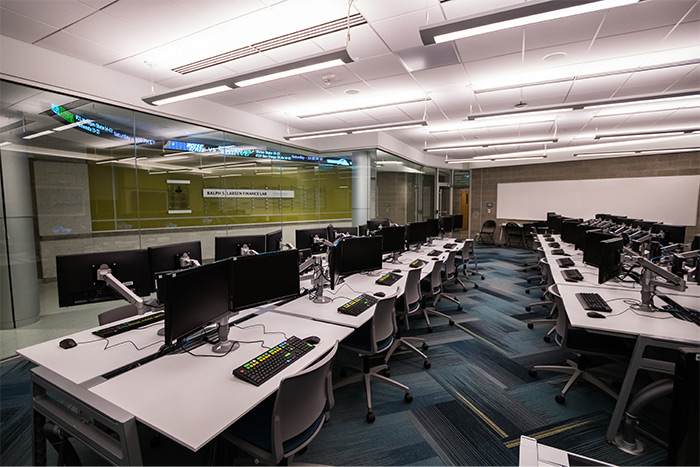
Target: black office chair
<point x="514" y="235"/>
<point x="288" y="420"/>
<point x="488" y="229"/>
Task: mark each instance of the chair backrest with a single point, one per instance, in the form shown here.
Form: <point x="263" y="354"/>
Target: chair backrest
<point x="450" y="265"/>
<point x="301" y="399"/>
<point x="562" y="319"/>
<point x="412" y="293"/>
<point x="384" y="320"/>
<point x="488" y="226"/>
<point x="436" y="278"/>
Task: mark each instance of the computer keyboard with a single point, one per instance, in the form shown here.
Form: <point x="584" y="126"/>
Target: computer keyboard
<point x="435" y="253"/>
<point x="269" y="363"/>
<point x="139" y="322"/>
<point x="419" y="263"/>
<point x="548" y="239"/>
<point x="558" y="252"/>
<point x="572" y="275"/>
<point x="389" y="278"/>
<point x="565" y="262"/>
<point x="448" y="246"/>
<point x="678" y="311"/>
<point x="593" y="301"/>
<point x="358" y="304"/>
<point x="554" y="244"/>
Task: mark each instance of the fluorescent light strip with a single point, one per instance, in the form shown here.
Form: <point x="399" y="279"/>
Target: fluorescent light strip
<point x="121" y="161"/>
<point x="642" y="134"/>
<point x="367" y="106"/>
<point x="72" y="125"/>
<point x="192" y="95"/>
<point x="356" y="130"/>
<point x="510" y="159"/>
<point x="486" y="144"/>
<point x="5" y="143"/>
<point x="522" y="16"/>
<point x="642" y="152"/>
<point x="288" y="73"/>
<point x="529" y="113"/>
<point x="504" y="121"/>
<point x="36" y="135"/>
<point x="636" y="107"/>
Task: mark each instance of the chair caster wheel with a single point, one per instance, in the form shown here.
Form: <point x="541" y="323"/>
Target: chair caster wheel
<point x="482" y="278"/>
<point x="532" y="373"/>
<point x="527" y="308"/>
<point x="547" y="339"/>
<point x="425" y="346"/>
<point x="530" y="325"/>
<point x="430" y="329"/>
<point x="452" y="323"/>
<point x="387" y="373"/>
<point x="408" y="397"/>
<point x="426" y="364"/>
<point x="560" y="398"/>
<point x="527" y="292"/>
<point x="459" y="308"/>
<point x="529" y="282"/>
<point x="370" y="417"/>
<point x="476" y="286"/>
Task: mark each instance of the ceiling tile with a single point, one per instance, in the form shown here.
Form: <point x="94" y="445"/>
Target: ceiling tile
<point x="645" y="15"/>
<point x="562" y="31"/>
<point x="114" y="33"/>
<point x="485" y="46"/>
<point x="21" y="27"/>
<point x="459" y="9"/>
<point x="365" y="43"/>
<point x="74" y="46"/>
<point x="396" y="85"/>
<point x="653" y="81"/>
<point x="595" y="88"/>
<point x="377" y="11"/>
<point x="96" y="4"/>
<point x="381" y="66"/>
<point x="162" y="19"/>
<point x="293" y="52"/>
<point x="401" y="32"/>
<point x="216" y="11"/>
<point x="687" y="82"/>
<point x="438" y="77"/>
<point x="293" y="85"/>
<point x="58" y="13"/>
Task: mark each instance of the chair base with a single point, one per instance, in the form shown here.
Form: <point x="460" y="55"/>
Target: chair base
<point x="574" y="369"/>
<point x="406" y="342"/>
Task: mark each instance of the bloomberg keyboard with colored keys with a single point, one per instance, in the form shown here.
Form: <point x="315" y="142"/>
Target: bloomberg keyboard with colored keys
<point x="418" y="263"/>
<point x="269" y="363"/>
<point x="358" y="304"/>
<point x="388" y="279"/>
<point x="435" y="253"/>
<point x="139" y="322"/>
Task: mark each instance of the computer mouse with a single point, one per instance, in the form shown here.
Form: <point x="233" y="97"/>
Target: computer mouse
<point x="396" y="271"/>
<point x="595" y="314"/>
<point x="434" y="259"/>
<point x="379" y="294"/>
<point x="313" y="340"/>
<point x="67" y="343"/>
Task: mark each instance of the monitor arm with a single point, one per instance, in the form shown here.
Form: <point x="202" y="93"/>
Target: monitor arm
<point x="286" y="245"/>
<point x="649" y="282"/>
<point x="104" y="273"/>
<point x="322" y="241"/>
<point x="318" y="280"/>
<point x="187" y="262"/>
<point x="246" y="251"/>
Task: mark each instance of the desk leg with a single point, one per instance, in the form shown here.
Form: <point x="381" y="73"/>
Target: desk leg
<point x="39" y="439"/>
<point x="638" y="362"/>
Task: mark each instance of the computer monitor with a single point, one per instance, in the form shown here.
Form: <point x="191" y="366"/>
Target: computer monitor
<point x="393" y="239"/>
<point x="446" y="223"/>
<point x="457" y="221"/>
<point x="642" y="224"/>
<point x="672" y="233"/>
<point x="196" y="297"/>
<point x="618" y="219"/>
<point x="591" y="248"/>
<point x="264" y="278"/>
<point x="356" y="255"/>
<point x="603" y="217"/>
<point x="362" y="229"/>
<point x="374" y="224"/>
<point x="695" y="245"/>
<point x="226" y="247"/>
<point x="333" y="232"/>
<point x="557" y="223"/>
<point x="568" y="230"/>
<point x="272" y="240"/>
<point x="554" y="222"/>
<point x="581" y="230"/>
<point x="610" y="265"/>
<point x="305" y="239"/>
<point x="77" y="276"/>
<point x="433" y="228"/>
<point x="173" y="257"/>
<point x="416" y="233"/>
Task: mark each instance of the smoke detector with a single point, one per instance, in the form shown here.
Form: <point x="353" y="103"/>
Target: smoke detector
<point x="329" y="79"/>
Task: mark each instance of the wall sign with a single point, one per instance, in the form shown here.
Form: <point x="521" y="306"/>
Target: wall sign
<point x="231" y="193"/>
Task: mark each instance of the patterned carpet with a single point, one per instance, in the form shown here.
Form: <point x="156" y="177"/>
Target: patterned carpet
<point x="469" y="408"/>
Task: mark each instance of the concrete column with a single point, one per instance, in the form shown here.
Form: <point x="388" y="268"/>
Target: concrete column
<point x="360" y="187"/>
<point x="19" y="285"/>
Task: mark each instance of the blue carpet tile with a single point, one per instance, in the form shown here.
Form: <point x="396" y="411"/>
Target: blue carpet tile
<point x="469" y="408"/>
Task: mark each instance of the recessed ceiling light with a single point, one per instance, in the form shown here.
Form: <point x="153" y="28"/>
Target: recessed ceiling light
<point x="554" y="56"/>
<point x="352" y="92"/>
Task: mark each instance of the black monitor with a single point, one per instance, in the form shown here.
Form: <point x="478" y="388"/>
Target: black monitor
<point x="581" y="230"/>
<point x="671" y="233"/>
<point x="642" y="224"/>
<point x="272" y="240"/>
<point x="305" y="239"/>
<point x="393" y="239"/>
<point x="433" y="228"/>
<point x="603" y="217"/>
<point x="457" y="221"/>
<point x="446" y="223"/>
<point x="695" y="245"/>
<point x="355" y="255"/>
<point x="610" y="265"/>
<point x="77" y="276"/>
<point x="416" y="233"/>
<point x="362" y="229"/>
<point x="172" y="257"/>
<point x="568" y="230"/>
<point x="196" y="298"/>
<point x="374" y="224"/>
<point x="335" y="231"/>
<point x="264" y="278"/>
<point x="591" y="248"/>
<point x="557" y="223"/>
<point x="226" y="247"/>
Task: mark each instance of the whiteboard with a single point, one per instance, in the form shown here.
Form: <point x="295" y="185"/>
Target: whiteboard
<point x="671" y="200"/>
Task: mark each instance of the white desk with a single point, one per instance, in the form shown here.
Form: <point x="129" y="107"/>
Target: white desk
<point x="534" y="454"/>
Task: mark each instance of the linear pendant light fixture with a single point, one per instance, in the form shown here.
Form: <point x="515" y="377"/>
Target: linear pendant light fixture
<point x="357" y="130"/>
<point x="316" y="62"/>
<point x="508" y="18"/>
<point x="487" y="144"/>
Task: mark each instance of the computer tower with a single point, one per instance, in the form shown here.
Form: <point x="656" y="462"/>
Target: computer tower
<point x="684" y="432"/>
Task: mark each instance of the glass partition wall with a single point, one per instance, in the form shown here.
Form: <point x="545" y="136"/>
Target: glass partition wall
<point x="80" y="176"/>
